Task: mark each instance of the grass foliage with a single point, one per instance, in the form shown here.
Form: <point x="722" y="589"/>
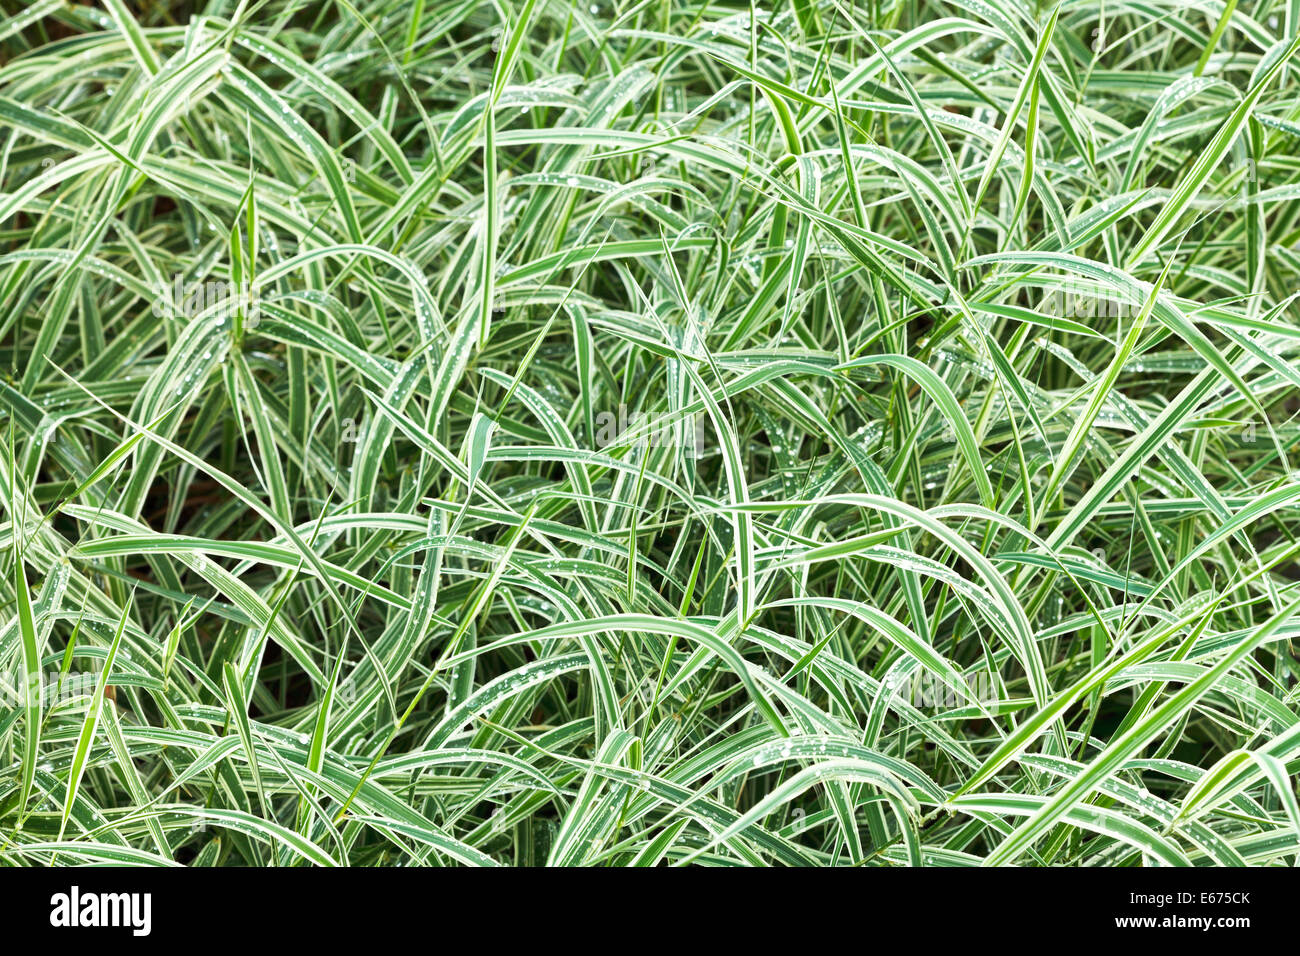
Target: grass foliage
<point x="825" y="433"/>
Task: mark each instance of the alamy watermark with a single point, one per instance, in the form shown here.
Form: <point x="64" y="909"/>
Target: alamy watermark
<point x="925" y="689"/>
<point x="55" y="687"/>
<point x="651" y="431"/>
<point x="222" y="300"/>
<point x="77" y="908"/>
<point x="1079" y="300"/>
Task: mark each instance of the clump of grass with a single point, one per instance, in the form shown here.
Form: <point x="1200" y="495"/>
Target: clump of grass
<point x="649" y="434"/>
